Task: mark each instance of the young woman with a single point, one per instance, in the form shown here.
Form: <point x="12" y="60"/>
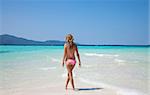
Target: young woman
<point x="70" y="49"/>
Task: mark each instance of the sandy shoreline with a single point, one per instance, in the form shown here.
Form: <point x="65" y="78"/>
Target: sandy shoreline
<point x="56" y="87"/>
<point x="59" y="89"/>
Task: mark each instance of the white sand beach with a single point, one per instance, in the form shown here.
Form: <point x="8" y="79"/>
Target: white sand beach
<point x="59" y="89"/>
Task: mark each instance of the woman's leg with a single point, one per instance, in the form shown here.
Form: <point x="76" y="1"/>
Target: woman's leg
<point x="67" y="81"/>
<point x="70" y="78"/>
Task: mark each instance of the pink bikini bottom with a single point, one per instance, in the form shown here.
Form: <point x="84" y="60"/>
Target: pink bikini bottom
<point x="71" y="61"/>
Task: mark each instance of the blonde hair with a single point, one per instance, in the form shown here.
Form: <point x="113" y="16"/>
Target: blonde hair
<point x="69" y="38"/>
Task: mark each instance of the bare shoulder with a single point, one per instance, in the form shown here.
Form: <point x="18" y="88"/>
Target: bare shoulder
<point x="65" y="45"/>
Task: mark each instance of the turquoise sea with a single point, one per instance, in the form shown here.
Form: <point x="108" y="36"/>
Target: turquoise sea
<point x="125" y="67"/>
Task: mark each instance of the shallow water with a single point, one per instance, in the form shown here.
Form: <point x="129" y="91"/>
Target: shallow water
<point x="105" y="66"/>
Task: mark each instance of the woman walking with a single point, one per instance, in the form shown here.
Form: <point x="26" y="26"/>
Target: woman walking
<point x="70" y="49"/>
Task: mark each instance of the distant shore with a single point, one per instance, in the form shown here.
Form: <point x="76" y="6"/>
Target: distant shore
<point x="6" y="39"/>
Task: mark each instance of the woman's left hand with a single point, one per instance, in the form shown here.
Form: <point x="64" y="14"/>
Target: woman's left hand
<point x="62" y="64"/>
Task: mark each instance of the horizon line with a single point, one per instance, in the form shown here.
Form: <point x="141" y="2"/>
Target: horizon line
<point x="80" y="44"/>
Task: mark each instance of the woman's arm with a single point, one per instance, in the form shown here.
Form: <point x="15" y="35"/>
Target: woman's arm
<point x="78" y="56"/>
<point x="65" y="53"/>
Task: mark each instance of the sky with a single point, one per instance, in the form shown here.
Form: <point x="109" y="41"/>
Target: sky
<point x="90" y="21"/>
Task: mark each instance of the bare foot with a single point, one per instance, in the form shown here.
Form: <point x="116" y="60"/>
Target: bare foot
<point x="73" y="88"/>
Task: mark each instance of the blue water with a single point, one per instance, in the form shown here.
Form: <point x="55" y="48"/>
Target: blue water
<point x="120" y="66"/>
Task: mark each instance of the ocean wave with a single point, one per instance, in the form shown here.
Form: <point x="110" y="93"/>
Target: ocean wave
<point x="47" y="68"/>
<point x="120" y="91"/>
<point x="101" y="55"/>
<point x="6" y="51"/>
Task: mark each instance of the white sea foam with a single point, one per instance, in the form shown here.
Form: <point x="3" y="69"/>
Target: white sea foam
<point x="47" y="68"/>
<point x="87" y="66"/>
<point x="120" y="61"/>
<point x="55" y="60"/>
<point x="120" y="91"/>
<point x="101" y="55"/>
